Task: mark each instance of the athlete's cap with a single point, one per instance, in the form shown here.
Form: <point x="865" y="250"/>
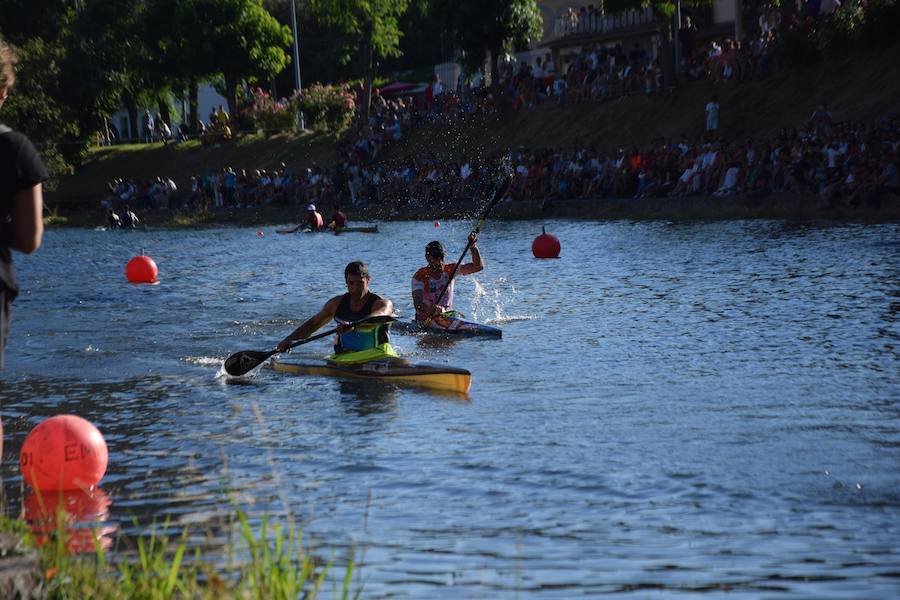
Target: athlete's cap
<point x="435" y="249"/>
<point x="311" y="207"/>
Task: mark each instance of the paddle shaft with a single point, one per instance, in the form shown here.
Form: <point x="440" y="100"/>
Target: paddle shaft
<point x="499" y="193"/>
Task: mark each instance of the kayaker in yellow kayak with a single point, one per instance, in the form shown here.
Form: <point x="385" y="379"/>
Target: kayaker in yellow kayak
<point x="429" y="281"/>
<point x="358" y="303"/>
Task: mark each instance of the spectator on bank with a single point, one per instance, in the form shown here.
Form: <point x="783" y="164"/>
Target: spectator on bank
<point x="820" y="120"/>
<point x="687" y="37"/>
<point x="113" y="221"/>
<point x="148" y="124"/>
<point x="222" y="117"/>
<point x="129" y="219"/>
<point x="184" y="132"/>
<point x="163" y="132"/>
<point x="712" y="115"/>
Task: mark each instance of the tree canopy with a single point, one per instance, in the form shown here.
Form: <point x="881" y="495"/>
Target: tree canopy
<point x="482" y="26"/>
<point x="81" y="62"/>
<point x="373" y="26"/>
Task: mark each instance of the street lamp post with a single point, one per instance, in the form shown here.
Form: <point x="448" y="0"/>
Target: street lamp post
<point x="297" y="87"/>
<point x="677" y="37"/>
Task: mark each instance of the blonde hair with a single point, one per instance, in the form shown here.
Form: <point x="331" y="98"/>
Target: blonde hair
<point x="8" y="60"/>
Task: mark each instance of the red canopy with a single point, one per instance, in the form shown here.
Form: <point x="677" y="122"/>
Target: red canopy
<point x="397" y="87"/>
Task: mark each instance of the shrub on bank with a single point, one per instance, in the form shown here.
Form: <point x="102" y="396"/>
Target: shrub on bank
<point x="270" y="115"/>
<point x="328" y="107"/>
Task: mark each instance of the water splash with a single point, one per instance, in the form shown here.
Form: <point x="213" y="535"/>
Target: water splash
<point x="488" y="301"/>
<point x="204" y="361"/>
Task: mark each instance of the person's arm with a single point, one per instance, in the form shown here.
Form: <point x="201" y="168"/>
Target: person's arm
<point x="311" y="325"/>
<point x="27" y="229"/>
<point x="477" y="263"/>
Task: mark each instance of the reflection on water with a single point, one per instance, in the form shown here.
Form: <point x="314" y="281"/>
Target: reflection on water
<point x="79" y="515"/>
<point x="367" y="397"/>
<point x="681" y="407"/>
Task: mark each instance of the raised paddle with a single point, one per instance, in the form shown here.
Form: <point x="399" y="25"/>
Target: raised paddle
<point x="241" y="363"/>
<point x="499" y="193"/>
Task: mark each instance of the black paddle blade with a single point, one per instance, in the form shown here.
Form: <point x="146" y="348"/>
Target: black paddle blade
<point x="242" y="363"/>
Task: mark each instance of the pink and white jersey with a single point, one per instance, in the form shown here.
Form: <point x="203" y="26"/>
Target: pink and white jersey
<point x="431" y="287"/>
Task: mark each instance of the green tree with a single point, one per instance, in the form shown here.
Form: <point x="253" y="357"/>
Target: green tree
<point x="230" y="40"/>
<point x="35" y="108"/>
<point x="243" y="39"/>
<point x="113" y="60"/>
<point x="494" y="26"/>
<point x="374" y="26"/>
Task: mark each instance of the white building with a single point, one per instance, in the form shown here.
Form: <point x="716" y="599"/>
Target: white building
<point x="208" y="99"/>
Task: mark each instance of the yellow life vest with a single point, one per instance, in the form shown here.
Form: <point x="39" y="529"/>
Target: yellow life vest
<point x="363" y="356"/>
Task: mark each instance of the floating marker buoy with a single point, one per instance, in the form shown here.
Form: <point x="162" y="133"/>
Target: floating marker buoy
<point x="64" y="452"/>
<point x="141" y="269"/>
<point x="437" y="223"/>
<point x="259" y="234"/>
<point x="545" y="245"/>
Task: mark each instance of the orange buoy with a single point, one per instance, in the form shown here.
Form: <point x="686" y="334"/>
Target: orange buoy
<point x="64" y="452"/>
<point x="141" y="269"/>
<point x="545" y="245"/>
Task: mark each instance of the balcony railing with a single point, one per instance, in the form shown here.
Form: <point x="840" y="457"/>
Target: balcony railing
<point x="573" y="24"/>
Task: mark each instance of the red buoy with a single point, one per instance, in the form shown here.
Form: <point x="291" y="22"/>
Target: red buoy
<point x="141" y="269"/>
<point x="64" y="452"/>
<point x="545" y="245"/>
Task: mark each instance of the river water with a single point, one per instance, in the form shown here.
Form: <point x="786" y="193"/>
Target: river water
<point x="673" y="408"/>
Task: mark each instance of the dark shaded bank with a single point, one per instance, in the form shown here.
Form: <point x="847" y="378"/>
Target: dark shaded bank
<point x="714" y="208"/>
<point x="778" y="207"/>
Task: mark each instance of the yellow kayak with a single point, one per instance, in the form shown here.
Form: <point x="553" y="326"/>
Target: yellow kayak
<point x="389" y="369"/>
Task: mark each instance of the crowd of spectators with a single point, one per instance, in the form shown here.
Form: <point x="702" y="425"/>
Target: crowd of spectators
<point x="145" y="194"/>
<point x="228" y="188"/>
<point x="850" y="163"/>
<point x="843" y="163"/>
<point x="592" y="74"/>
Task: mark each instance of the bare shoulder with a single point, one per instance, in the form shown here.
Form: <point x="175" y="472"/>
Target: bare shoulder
<point x="332" y="305"/>
<point x="384" y="304"/>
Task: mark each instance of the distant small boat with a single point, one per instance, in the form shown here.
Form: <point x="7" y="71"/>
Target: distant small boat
<point x="368" y="229"/>
<point x="140" y="227"/>
<point x="360" y="229"/>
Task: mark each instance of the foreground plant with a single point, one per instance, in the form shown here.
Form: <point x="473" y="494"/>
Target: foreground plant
<point x="273" y="565"/>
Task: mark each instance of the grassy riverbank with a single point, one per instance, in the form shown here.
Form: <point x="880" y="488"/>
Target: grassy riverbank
<point x="273" y="564"/>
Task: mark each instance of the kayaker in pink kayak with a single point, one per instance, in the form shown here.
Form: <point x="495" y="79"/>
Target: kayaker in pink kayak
<point x="429" y="281"/>
<point x="358" y="303"/>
